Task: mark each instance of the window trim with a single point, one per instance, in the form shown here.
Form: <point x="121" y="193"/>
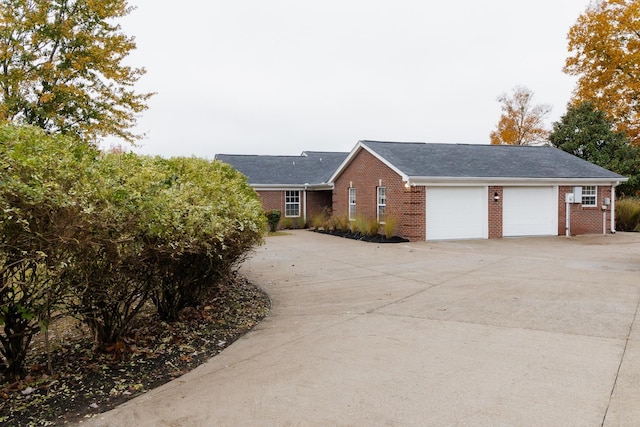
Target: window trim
<point x="352" y="203"/>
<point x="381" y="203"/>
<point x="593" y="196"/>
<point x="288" y="196"/>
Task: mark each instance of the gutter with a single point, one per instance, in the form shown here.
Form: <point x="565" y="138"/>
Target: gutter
<point x="277" y="187"/>
<point x="613" y="207"/>
<point x="454" y="180"/>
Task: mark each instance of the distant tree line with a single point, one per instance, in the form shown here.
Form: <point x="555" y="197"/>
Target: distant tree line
<point x="602" y="122"/>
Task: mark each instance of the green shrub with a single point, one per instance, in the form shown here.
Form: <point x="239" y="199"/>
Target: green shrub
<point x="110" y="274"/>
<point x="286" y="224"/>
<point x="40" y="197"/>
<point x="97" y="235"/>
<point x="628" y="214"/>
<point x="201" y="226"/>
<point x="273" y="218"/>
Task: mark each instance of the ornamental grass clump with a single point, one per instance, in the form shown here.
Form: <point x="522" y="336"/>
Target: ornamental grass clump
<point x="628" y="214"/>
<point x="389" y="226"/>
<point x="372" y="227"/>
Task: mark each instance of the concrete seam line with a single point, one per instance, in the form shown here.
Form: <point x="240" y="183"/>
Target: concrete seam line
<point x="624" y="352"/>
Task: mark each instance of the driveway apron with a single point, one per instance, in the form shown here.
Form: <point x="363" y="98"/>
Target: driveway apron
<point x="528" y="331"/>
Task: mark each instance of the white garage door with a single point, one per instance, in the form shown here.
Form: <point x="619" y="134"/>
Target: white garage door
<point x="457" y="213"/>
<point x="529" y="211"/>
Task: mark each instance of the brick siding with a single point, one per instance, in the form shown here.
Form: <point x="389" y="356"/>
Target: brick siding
<point x="495" y="212"/>
<point x="366" y="173"/>
<point x="272" y="200"/>
<point x="317" y="201"/>
<point x="584" y="219"/>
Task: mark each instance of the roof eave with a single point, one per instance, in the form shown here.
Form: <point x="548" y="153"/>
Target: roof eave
<point x="426" y="180"/>
<point x="279" y="187"/>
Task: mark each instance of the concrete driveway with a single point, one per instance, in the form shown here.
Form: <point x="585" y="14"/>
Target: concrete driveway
<point x="511" y="332"/>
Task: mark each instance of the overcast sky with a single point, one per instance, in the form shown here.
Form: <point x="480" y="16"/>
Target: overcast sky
<point x="280" y="77"/>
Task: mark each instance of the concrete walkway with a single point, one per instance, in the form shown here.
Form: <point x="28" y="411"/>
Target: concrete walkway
<point x="512" y="332"/>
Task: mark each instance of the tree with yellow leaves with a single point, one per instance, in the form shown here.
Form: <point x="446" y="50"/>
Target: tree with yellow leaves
<point x="521" y="122"/>
<point x="604" y="53"/>
<point x="61" y="68"/>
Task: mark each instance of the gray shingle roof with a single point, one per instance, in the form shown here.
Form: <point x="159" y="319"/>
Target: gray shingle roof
<point x="485" y="161"/>
<point x="311" y="167"/>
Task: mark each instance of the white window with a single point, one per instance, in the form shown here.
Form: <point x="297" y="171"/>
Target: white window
<point x="292" y="203"/>
<point x="382" y="204"/>
<point x="589" y="195"/>
<point x="352" y="204"/>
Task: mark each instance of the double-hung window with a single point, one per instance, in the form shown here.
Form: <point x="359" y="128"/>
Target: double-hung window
<point x="352" y="204"/>
<point x="292" y="203"/>
<point x="382" y="204"/>
<point x="589" y="195"/>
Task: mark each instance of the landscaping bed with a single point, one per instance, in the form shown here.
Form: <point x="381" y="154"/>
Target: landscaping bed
<point x="86" y="382"/>
<point x="374" y="238"/>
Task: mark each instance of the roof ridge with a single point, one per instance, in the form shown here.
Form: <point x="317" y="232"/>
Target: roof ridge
<point x="364" y="141"/>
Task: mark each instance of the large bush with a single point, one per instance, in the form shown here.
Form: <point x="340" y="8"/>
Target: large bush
<point x="165" y="230"/>
<point x="108" y="275"/>
<point x="99" y="235"/>
<point x="203" y="220"/>
<point x="39" y="194"/>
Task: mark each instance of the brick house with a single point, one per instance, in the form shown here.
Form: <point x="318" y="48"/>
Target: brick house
<point x="459" y="191"/>
<point x="295" y="185"/>
<point x="441" y="191"/>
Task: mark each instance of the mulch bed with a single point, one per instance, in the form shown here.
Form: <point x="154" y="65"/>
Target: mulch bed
<point x="378" y="238"/>
<point x="86" y="382"/>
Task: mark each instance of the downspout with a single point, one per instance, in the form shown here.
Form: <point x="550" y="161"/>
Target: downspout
<point x="567" y="222"/>
<point x="613" y="208"/>
<point x="305" y="202"/>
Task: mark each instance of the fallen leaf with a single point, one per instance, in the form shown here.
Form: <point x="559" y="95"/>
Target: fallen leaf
<point x="27" y="391"/>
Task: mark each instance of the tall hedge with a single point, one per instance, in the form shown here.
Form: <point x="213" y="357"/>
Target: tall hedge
<point x="40" y="200"/>
<point x="98" y="235"/>
<point x="108" y="275"/>
<point x="202" y="221"/>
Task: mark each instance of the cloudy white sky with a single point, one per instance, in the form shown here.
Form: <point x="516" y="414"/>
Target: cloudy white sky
<point x="283" y="76"/>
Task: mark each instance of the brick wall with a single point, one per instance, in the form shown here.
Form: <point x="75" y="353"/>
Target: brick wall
<point x="272" y="200"/>
<point x="414" y="221"/>
<point x="366" y="173"/>
<point x="584" y="219"/>
<point x="316" y="201"/>
<point x="495" y="212"/>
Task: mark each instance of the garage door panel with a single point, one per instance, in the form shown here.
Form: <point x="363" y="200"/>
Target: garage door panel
<point x="529" y="211"/>
<point x="456" y="213"/>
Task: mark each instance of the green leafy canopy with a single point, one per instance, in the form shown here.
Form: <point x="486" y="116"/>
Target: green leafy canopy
<point x="586" y="132"/>
<point x="62" y="68"/>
